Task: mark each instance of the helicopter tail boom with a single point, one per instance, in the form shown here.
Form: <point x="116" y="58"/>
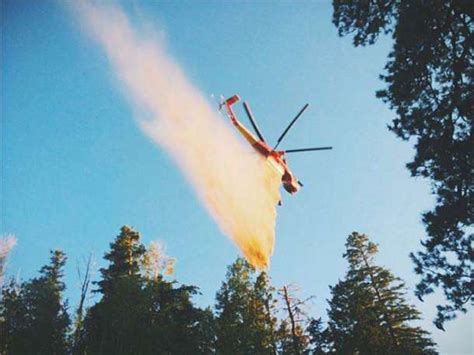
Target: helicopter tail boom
<point x="242" y="129"/>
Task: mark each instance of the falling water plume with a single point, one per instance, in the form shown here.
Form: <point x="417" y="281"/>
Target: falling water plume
<point x="239" y="189"/>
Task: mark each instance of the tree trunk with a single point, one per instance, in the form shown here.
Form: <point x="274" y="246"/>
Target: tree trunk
<point x="286" y="297"/>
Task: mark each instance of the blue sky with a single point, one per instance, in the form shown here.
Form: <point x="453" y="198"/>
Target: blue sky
<point x="75" y="166"/>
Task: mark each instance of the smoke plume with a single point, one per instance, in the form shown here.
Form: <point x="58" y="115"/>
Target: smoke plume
<point x="238" y="188"/>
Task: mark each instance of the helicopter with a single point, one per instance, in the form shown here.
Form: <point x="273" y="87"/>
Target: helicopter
<point x="275" y="157"/>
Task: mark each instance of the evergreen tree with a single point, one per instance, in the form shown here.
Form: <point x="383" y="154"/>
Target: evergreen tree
<point x="368" y="312"/>
<point x="140" y="312"/>
<point x="205" y="330"/>
<point x="429" y="84"/>
<point x="245" y="312"/>
<point x="175" y="326"/>
<point x="233" y="310"/>
<point x="125" y="258"/>
<point x="34" y="314"/>
<point x="13" y="321"/>
<point x="114" y="324"/>
<point x="264" y="308"/>
<point x="318" y="337"/>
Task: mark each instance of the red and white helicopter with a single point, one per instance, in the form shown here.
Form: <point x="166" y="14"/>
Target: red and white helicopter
<point x="275" y="157"/>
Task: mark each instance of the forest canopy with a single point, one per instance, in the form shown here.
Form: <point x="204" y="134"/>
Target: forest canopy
<point x="429" y="87"/>
<point x="139" y="311"/>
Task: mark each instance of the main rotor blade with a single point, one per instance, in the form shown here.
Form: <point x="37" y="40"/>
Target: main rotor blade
<point x="306" y="149"/>
<point x="252" y="121"/>
<point x="291" y="124"/>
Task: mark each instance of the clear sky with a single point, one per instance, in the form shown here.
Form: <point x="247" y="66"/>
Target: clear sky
<point x="75" y="166"/>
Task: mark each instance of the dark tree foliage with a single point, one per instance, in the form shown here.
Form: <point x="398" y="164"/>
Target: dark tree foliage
<point x="139" y="312"/>
<point x="34" y="315"/>
<point x="429" y="85"/>
<point x="114" y="323"/>
<point x="13" y="319"/>
<point x="125" y="256"/>
<point x="140" y="315"/>
<point x="245" y="320"/>
<point x="318" y="337"/>
<point x="264" y="307"/>
<point x="175" y="326"/>
<point x="368" y="313"/>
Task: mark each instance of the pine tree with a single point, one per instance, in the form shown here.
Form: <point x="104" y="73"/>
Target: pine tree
<point x="34" y="314"/>
<point x="125" y="258"/>
<point x="13" y="319"/>
<point x="264" y="308"/>
<point x="140" y="312"/>
<point x="174" y="325"/>
<point x="205" y="330"/>
<point x="318" y="337"/>
<point x="429" y="85"/>
<point x="245" y="312"/>
<point x="114" y="324"/>
<point x="368" y="312"/>
<point x="233" y="310"/>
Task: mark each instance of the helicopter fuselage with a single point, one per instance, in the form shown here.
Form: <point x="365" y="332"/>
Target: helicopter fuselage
<point x="274" y="157"/>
